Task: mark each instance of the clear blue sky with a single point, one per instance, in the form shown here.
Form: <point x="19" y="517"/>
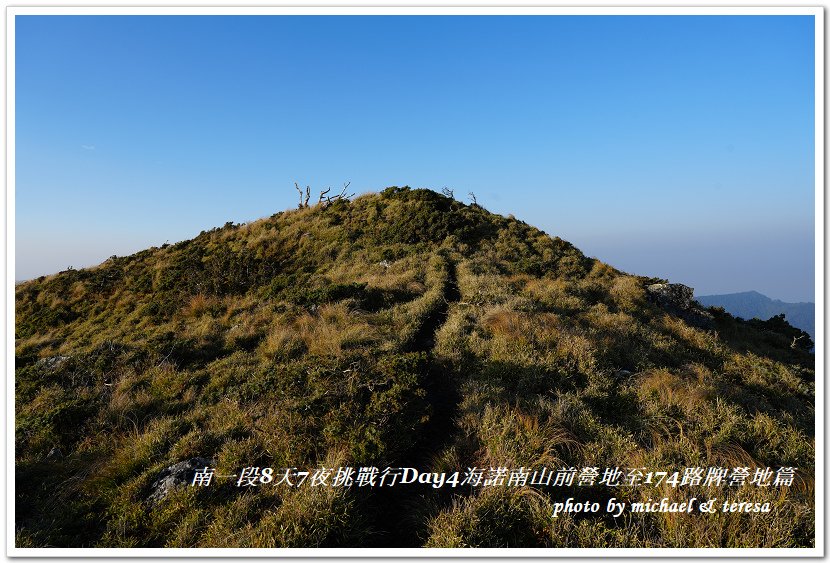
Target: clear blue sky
<point x="681" y="147"/>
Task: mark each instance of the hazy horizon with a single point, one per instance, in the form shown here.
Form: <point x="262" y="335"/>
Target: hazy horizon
<point x="674" y="146"/>
<point x="637" y="258"/>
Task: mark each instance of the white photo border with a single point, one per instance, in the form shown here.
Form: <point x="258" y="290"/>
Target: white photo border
<point x="413" y="8"/>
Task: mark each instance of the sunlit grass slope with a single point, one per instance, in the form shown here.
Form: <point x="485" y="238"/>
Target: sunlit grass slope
<point x="400" y="328"/>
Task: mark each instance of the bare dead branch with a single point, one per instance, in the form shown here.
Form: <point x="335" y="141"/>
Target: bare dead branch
<point x="297" y="187"/>
<point x="322" y="195"/>
<point x="340" y="196"/>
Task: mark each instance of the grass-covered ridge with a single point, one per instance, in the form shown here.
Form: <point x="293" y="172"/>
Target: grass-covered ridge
<point x="400" y="328"/>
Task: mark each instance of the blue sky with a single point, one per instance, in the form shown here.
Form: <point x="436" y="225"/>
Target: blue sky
<point x="680" y="147"/>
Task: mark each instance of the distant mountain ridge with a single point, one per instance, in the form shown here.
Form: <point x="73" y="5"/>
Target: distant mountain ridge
<point x="751" y="304"/>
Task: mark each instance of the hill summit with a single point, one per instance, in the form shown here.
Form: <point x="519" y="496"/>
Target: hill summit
<point x="397" y="330"/>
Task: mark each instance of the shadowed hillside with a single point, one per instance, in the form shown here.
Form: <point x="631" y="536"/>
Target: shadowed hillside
<point x="400" y="329"/>
<point x="754" y="305"/>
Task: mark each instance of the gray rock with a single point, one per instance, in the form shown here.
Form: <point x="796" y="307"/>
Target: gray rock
<point x="177" y="475"/>
<point x="672" y="294"/>
<point x="678" y="299"/>
<point x="52" y="362"/>
<point x="54" y="453"/>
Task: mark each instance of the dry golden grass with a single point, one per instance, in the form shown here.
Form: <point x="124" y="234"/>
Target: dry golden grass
<point x="556" y="294"/>
<point x="282" y="341"/>
<point x="512" y="438"/>
<point x="692" y="336"/>
<point x="620" y="323"/>
<point x="505" y="324"/>
<point x="452" y="341"/>
<point x="730" y="454"/>
<point x="684" y="391"/>
<point x="198" y="305"/>
<point x="628" y="293"/>
<point x="333" y="329"/>
<point x="577" y="352"/>
<point x="495" y="517"/>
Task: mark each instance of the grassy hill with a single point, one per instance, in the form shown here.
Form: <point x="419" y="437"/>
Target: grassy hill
<point x="400" y="329"/>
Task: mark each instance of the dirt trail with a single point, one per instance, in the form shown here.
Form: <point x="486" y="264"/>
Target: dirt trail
<point x="424" y="339"/>
<point x="401" y="510"/>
